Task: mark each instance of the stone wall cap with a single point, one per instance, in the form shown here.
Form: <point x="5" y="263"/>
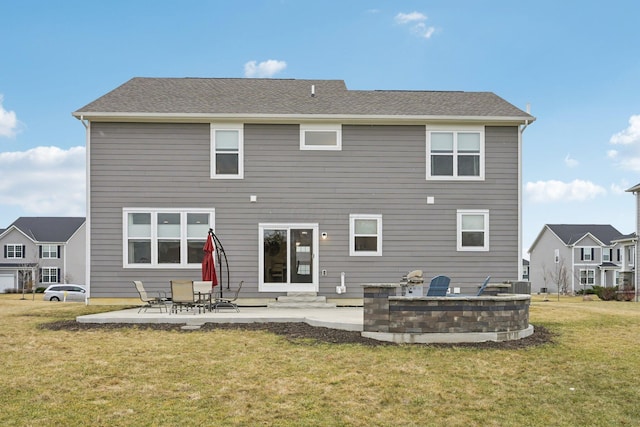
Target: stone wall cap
<point x="380" y="285"/>
<point x="500" y="297"/>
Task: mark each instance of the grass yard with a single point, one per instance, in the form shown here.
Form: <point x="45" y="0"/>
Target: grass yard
<point x="136" y="377"/>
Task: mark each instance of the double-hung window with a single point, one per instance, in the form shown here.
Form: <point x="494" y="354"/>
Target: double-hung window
<point x="320" y="137"/>
<point x="473" y="230"/>
<point x="455" y="153"/>
<point x="12" y="251"/>
<point x="365" y="235"/>
<point x="49" y="275"/>
<point x="227" y="151"/>
<point x="587" y="277"/>
<point x="165" y="237"/>
<point x="49" y="251"/>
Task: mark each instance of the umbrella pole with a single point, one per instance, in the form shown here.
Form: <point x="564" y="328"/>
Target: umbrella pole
<point x="220" y="253"/>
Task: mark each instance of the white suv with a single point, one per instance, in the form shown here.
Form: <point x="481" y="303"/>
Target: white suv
<point x="65" y="293"/>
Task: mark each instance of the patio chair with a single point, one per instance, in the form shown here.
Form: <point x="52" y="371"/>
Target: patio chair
<point x="228" y="302"/>
<point x="159" y="302"/>
<point x="439" y="286"/>
<point x="182" y="296"/>
<point x="203" y="290"/>
<point x="484" y="286"/>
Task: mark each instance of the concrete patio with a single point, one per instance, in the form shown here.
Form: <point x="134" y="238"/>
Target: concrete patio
<point x="344" y="318"/>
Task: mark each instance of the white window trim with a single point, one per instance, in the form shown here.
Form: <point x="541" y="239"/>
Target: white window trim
<point x="49" y="270"/>
<point x="154" y="236"/>
<point x="304" y="128"/>
<point x="288" y="287"/>
<point x="49" y="252"/>
<point x="460" y="214"/>
<point x="352" y="234"/>
<point x="455" y="130"/>
<point x="587" y="270"/>
<point x="239" y="127"/>
<point x="14" y="246"/>
<point x="608" y="252"/>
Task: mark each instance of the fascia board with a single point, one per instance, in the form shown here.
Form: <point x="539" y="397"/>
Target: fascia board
<point x="295" y="118"/>
<point x="588" y="234"/>
<point x="13" y="227"/>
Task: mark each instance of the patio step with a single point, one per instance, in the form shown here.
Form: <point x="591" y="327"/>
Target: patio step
<point x="301" y="300"/>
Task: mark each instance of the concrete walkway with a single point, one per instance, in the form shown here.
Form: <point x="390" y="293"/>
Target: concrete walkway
<point x="345" y="318"/>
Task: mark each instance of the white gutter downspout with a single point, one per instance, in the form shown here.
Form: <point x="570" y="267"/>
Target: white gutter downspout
<point x="521" y="129"/>
<point x="87" y="273"/>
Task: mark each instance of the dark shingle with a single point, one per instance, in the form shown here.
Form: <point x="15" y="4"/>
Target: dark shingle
<point x="48" y="229"/>
<point x="571" y="233"/>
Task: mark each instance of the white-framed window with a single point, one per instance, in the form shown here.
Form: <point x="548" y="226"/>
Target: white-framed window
<point x="49" y="275"/>
<point x="165" y="237"/>
<point x="49" y="251"/>
<point x="587" y="254"/>
<point x="606" y="254"/>
<point x="455" y="153"/>
<point x="587" y="276"/>
<point x="227" y="150"/>
<point x="14" y="251"/>
<point x="320" y="137"/>
<point x="365" y="235"/>
<point x="473" y="230"/>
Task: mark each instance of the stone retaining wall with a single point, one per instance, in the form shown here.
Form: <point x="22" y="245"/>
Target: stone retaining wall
<point x="388" y="313"/>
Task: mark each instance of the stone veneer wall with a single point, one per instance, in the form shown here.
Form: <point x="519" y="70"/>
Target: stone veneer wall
<point x="384" y="311"/>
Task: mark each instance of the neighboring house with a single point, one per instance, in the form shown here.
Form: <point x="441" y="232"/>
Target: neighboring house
<point x="39" y="251"/>
<point x="574" y="256"/>
<point x="525" y="269"/>
<point x="302" y="180"/>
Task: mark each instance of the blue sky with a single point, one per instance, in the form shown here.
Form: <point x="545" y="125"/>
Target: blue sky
<point x="576" y="63"/>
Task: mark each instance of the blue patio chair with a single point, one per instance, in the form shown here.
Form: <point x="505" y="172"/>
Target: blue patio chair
<point x="439" y="286"/>
<point x="484" y="286"/>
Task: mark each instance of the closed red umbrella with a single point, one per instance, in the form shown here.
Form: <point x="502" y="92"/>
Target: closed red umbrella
<point x="208" y="264"/>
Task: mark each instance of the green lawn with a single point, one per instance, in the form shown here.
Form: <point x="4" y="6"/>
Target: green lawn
<point x="136" y="377"/>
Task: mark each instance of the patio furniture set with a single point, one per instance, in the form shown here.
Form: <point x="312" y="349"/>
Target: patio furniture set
<point x="188" y="295"/>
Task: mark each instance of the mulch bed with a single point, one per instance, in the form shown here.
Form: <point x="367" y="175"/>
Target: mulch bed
<point x="299" y="332"/>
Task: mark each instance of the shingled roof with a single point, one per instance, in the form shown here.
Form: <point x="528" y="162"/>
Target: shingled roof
<point x="48" y="229"/>
<point x="571" y="233"/>
<point x="289" y="97"/>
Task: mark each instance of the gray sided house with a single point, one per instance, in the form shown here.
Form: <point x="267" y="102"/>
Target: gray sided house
<point x="571" y="257"/>
<point x="40" y="251"/>
<point x="302" y="181"/>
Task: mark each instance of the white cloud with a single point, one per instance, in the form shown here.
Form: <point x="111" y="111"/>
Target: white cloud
<point x="572" y="163"/>
<point x="631" y="135"/>
<point x="417" y="22"/>
<point x="8" y="121"/>
<point x="621" y="187"/>
<point x="553" y="191"/>
<point x="44" y="181"/>
<point x="627" y="153"/>
<point x="405" y="18"/>
<point x="264" y="69"/>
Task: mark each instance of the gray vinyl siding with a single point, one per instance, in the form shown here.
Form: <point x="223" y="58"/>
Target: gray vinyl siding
<point x="380" y="170"/>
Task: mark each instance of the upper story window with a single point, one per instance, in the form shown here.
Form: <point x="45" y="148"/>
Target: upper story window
<point x="455" y="153"/>
<point x="606" y="254"/>
<point x="365" y="235"/>
<point x="473" y="230"/>
<point x="587" y="254"/>
<point x="320" y="137"/>
<point x="14" y="251"/>
<point x="165" y="237"/>
<point x="49" y="251"/>
<point x="227" y="151"/>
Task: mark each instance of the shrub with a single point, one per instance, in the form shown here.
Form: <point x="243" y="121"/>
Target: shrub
<point x="606" y="294"/>
<point x="40" y="290"/>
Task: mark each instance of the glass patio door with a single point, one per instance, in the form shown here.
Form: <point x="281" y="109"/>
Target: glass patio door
<point x="288" y="257"/>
